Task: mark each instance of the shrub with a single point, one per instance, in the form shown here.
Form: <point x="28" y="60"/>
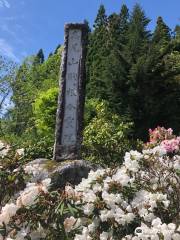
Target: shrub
<point x="106" y="135"/>
<point x="45" y="107"/>
<point x="139" y="200"/>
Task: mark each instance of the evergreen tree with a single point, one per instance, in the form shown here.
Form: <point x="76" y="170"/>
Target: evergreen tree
<point x="116" y="70"/>
<point x="23" y="94"/>
<point x="177" y="31"/>
<point x="161" y="35"/>
<point x="153" y="90"/>
<point x="101" y="19"/>
<point x="138" y="35"/>
<point x="87" y="24"/>
<point x="96" y="57"/>
<point x="124" y="24"/>
<point x="39" y="58"/>
<point x="57" y="48"/>
<point x="50" y="55"/>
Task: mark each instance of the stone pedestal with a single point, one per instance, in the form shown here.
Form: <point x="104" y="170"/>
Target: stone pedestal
<point x="62" y="173"/>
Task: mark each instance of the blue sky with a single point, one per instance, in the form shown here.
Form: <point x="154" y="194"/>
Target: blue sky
<point x="28" y="25"/>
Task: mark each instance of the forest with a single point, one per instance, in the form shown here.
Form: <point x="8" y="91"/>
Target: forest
<point x="132" y="85"/>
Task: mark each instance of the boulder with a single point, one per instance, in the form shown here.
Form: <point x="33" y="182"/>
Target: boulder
<point x="61" y="173"/>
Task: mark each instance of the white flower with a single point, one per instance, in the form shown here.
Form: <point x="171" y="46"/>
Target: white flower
<point x="69" y="191"/>
<point x="89" y="196"/>
<point x="69" y="223"/>
<point x="121" y="177"/>
<point x="88" y="208"/>
<point x="46" y="184"/>
<point x="92" y="227"/>
<point x="97" y="188"/>
<point x="129" y="217"/>
<point x="129" y="208"/>
<point x="131" y="165"/>
<point x="84" y="236"/>
<point x="149" y="217"/>
<point x="104" y="236"/>
<point x="176" y="236"/>
<point x="37" y="234"/>
<point x="166" y="203"/>
<point x="160" y="150"/>
<point x="4" y="149"/>
<point x="156" y="222"/>
<point x="8" y="211"/>
<point x="105" y="214"/>
<point x="109" y="199"/>
<point x="38" y="171"/>
<point x="20" y="151"/>
<point x="22" y="233"/>
<point x="172" y="226"/>
<point x="28" y="196"/>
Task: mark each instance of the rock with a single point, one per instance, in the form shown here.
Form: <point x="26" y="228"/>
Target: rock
<point x="61" y="173"/>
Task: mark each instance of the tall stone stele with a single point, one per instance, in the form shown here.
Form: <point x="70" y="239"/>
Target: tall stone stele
<point x="69" y="118"/>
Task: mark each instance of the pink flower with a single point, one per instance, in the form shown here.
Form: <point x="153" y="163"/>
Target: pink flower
<point x="172" y="145"/>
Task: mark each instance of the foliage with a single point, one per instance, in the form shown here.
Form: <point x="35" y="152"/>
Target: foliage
<point x="131" y="68"/>
<point x="136" y="74"/>
<point x="7" y="75"/>
<point x="11" y="181"/>
<point x="33" y="76"/>
<point x="20" y="124"/>
<point x="138" y="200"/>
<point x="97" y="53"/>
<point x="45" y="107"/>
<point x="106" y="137"/>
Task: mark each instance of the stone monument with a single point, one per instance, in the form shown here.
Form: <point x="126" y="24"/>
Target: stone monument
<point x="69" y="118"/>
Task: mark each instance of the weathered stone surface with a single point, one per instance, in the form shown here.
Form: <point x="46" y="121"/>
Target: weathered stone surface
<point x="69" y="117"/>
<point x="61" y="173"/>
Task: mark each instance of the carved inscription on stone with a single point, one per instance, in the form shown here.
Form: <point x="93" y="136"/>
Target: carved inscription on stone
<point x="69" y="129"/>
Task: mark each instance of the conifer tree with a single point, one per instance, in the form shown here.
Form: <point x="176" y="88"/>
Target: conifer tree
<point x="96" y="57"/>
<point x="161" y="35"/>
<point x="57" y="48"/>
<point x="116" y="68"/>
<point x="177" y="31"/>
<point x="138" y="35"/>
<point x="39" y="58"/>
<point x="23" y="93"/>
<point x="136" y="52"/>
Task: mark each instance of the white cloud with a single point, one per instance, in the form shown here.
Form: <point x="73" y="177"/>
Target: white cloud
<point x="4" y="3"/>
<point x="7" y="50"/>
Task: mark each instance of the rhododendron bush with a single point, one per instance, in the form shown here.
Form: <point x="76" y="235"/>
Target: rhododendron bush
<point x="139" y="200"/>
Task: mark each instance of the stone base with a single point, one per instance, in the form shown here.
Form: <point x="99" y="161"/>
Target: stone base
<point x="62" y="173"/>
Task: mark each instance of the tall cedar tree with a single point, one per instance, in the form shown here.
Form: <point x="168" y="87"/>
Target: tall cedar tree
<point x="138" y="35"/>
<point x="23" y="91"/>
<point x="116" y="66"/>
<point x="136" y="49"/>
<point x="165" y="88"/>
<point x="149" y="101"/>
<point x="39" y="58"/>
<point x="161" y="34"/>
<point x="177" y="31"/>
<point x="35" y="73"/>
<point x="96" y="57"/>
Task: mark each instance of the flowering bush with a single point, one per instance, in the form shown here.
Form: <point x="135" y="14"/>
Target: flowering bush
<point x="139" y="200"/>
<point x="11" y="181"/>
